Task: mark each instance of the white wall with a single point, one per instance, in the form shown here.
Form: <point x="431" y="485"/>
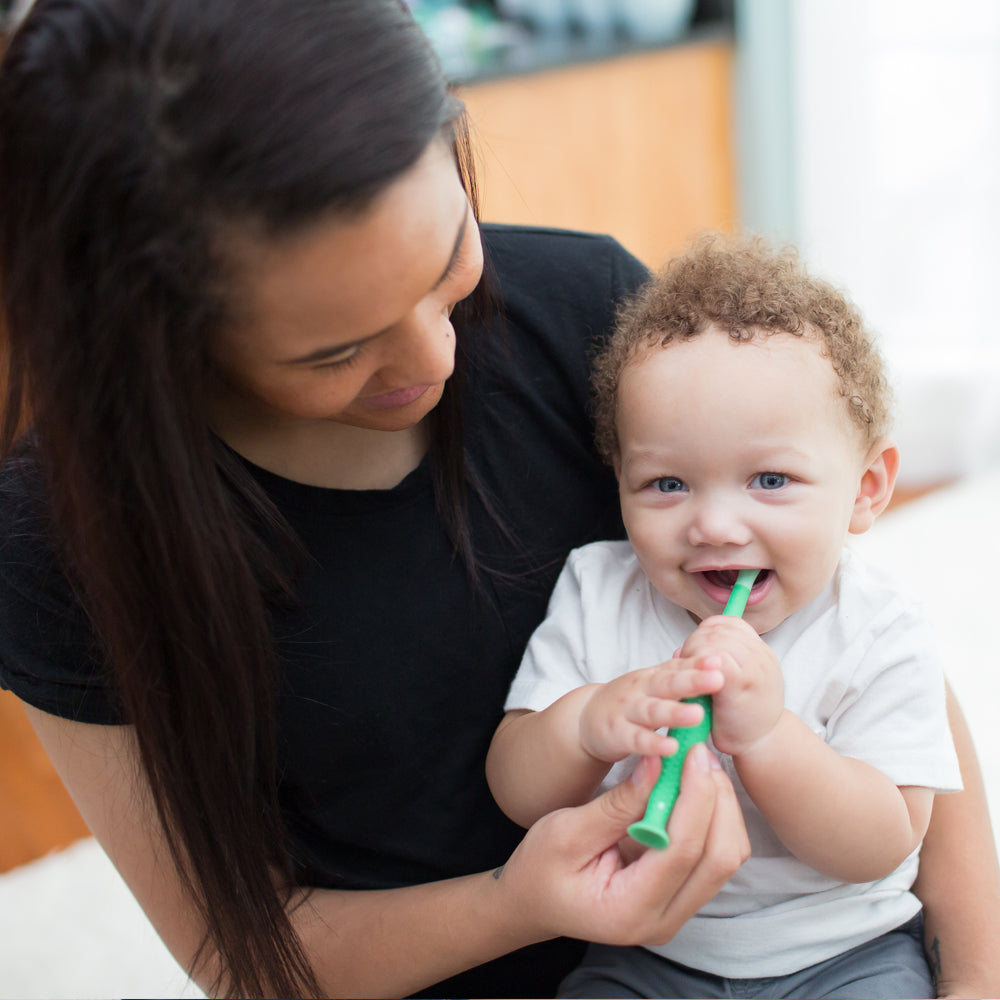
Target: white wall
<point x="894" y="192"/>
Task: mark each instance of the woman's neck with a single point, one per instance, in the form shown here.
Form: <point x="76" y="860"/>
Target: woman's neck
<point x="328" y="454"/>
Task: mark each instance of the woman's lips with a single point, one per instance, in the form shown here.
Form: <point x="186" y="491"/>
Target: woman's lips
<point x="395" y="399"/>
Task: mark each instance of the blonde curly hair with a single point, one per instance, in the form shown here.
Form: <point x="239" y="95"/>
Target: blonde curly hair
<point x="749" y="289"/>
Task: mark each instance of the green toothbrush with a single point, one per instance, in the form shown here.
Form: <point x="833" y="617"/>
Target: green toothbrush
<point x="651" y="829"/>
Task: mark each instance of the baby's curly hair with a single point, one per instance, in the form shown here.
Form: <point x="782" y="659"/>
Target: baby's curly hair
<point x="749" y="289"/>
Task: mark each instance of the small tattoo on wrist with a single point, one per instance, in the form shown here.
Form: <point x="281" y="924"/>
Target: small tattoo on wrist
<point x="934" y="956"/>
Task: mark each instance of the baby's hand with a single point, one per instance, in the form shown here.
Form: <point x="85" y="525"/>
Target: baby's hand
<point x="753" y="697"/>
<point x="621" y="716"/>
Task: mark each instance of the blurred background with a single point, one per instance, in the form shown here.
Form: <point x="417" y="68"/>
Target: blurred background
<point x="865" y="131"/>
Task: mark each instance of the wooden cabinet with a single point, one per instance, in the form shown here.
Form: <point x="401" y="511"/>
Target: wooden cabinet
<point x="36" y="812"/>
<point x="639" y="146"/>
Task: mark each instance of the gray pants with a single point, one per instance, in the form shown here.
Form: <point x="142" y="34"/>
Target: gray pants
<point x="893" y="965"/>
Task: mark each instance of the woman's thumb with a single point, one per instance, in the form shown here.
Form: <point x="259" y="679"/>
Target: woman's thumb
<point x="625" y="803"/>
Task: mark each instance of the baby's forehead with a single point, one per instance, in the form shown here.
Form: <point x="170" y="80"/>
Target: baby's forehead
<point x="795" y="358"/>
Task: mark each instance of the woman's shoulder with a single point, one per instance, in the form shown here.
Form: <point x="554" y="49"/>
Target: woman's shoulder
<point x="558" y="291"/>
<point x="544" y="238"/>
<point x="49" y="656"/>
<point x="561" y="260"/>
<point x="23" y="510"/>
<point x="26" y="533"/>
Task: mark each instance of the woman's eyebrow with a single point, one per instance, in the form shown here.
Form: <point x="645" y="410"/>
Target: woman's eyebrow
<point x="328" y="352"/>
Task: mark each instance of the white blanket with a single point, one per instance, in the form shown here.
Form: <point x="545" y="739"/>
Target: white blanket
<point x="70" y="928"/>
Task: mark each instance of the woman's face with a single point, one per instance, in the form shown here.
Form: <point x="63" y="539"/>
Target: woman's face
<point x="349" y="321"/>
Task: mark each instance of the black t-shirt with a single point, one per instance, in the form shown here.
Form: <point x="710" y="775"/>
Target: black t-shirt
<point x="394" y="667"/>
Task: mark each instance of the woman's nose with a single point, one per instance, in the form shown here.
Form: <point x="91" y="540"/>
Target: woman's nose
<point x="424" y="349"/>
<point x="717" y="522"/>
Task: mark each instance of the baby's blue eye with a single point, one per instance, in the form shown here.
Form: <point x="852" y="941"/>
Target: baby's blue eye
<point x="669" y="484"/>
<point x="770" y="480"/>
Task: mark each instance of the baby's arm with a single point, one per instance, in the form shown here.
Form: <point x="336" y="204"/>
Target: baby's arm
<point x="541" y="761"/>
<point x="838" y="815"/>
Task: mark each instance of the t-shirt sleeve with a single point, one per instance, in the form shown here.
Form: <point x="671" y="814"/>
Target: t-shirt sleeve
<point x="894" y="715"/>
<point x="555" y="661"/>
<point x="49" y="656"/>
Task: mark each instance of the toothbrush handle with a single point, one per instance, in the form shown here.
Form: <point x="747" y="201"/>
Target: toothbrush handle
<point x="651" y="829"/>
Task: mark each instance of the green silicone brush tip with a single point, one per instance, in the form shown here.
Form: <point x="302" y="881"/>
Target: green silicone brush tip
<point x="740" y="593"/>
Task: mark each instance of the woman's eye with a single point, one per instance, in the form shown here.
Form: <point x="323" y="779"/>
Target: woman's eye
<point x="455" y="264"/>
<point x="770" y="480"/>
<point x="669" y="484"/>
<point x="346" y="356"/>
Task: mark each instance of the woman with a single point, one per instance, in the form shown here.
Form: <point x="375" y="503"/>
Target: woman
<point x="293" y="497"/>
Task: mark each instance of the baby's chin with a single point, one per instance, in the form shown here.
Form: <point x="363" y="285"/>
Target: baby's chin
<point x="762" y="622"/>
<point x="761" y="627"/>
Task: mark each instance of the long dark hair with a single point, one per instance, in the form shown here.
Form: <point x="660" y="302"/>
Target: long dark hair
<point x="132" y="132"/>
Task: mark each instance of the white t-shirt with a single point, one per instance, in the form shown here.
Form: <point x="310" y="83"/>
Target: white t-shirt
<point x="859" y="669"/>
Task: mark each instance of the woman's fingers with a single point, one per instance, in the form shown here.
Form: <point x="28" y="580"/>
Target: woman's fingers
<point x="658" y="892"/>
<point x="573" y="878"/>
<point x="725" y="847"/>
<point x="563" y="868"/>
<point x="663" y="874"/>
<point x="605" y="820"/>
<point x="708" y="842"/>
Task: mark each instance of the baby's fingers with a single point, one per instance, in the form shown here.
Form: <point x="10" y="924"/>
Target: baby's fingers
<point x="657" y="713"/>
<point x="648" y="743"/>
<point x="673" y="681"/>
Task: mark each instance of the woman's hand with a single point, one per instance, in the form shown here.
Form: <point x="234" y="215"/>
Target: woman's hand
<point x="571" y="875"/>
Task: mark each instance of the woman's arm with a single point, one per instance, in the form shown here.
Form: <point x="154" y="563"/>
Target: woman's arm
<point x="567" y="877"/>
<point x="959" y="881"/>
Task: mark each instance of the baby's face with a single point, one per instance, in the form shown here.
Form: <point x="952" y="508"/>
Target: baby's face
<point x="733" y="456"/>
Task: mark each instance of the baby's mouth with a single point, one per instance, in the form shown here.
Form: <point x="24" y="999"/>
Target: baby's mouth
<point x="727" y="577"/>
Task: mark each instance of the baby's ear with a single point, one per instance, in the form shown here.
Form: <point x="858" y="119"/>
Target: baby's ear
<point x="877" y="483"/>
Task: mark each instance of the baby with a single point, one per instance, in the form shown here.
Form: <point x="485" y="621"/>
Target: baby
<point x="745" y="409"/>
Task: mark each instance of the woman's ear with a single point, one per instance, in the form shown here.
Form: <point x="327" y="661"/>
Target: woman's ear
<point x="877" y="483"/>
